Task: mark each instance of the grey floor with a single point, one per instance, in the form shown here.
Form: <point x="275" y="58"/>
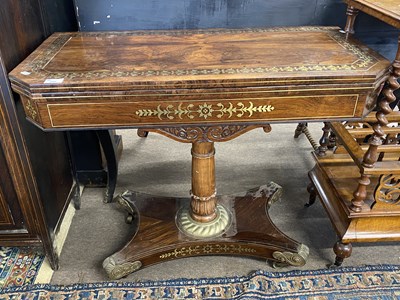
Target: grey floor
<point x="160" y="166"/>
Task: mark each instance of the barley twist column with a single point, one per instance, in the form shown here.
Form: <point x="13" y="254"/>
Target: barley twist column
<point x="375" y="141"/>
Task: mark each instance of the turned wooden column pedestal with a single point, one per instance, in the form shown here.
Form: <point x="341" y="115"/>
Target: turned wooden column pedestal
<point x="205" y="218"/>
<point x="171" y="228"/>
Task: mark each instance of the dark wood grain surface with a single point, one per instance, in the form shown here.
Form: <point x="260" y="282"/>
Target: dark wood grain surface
<point x="78" y="80"/>
<point x="214" y="56"/>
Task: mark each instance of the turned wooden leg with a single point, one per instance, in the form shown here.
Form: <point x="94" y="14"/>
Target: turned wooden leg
<point x="299" y="129"/>
<point x="332" y="141"/>
<point x="324" y="141"/>
<point x="77" y="191"/>
<point x="360" y="193"/>
<point x="303" y="128"/>
<point x="313" y="194"/>
<point x="108" y="146"/>
<point x="342" y="251"/>
<point x="142" y="133"/>
<point x="351" y="17"/>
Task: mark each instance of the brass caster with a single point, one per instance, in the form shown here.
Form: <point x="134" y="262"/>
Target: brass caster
<point x="332" y="266"/>
<point x="277" y="265"/>
<point x="129" y="219"/>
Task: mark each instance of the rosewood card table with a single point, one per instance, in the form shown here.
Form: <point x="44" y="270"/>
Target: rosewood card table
<point x="199" y="87"/>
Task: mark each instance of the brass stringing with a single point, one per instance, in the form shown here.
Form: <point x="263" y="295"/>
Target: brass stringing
<point x="207" y="249"/>
<point x="205" y="110"/>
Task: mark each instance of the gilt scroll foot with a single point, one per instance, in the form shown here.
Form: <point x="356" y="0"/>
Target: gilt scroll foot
<point x="117" y="270"/>
<point x="285" y="259"/>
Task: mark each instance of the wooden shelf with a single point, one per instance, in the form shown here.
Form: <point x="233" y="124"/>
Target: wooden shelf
<point x="356" y="152"/>
<point x="335" y="178"/>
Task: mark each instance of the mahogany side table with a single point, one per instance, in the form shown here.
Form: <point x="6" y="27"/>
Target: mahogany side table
<point x="200" y="87"/>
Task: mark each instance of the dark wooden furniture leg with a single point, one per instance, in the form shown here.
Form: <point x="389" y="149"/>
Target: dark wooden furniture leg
<point x="299" y="129"/>
<point x="303" y="128"/>
<point x="313" y="194"/>
<point x="142" y="133"/>
<point x="108" y="146"/>
<point x="324" y="141"/>
<point x="342" y="251"/>
<point x="351" y="18"/>
<point x="77" y="191"/>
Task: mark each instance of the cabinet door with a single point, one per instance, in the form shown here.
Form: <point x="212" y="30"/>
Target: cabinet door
<point x="10" y="212"/>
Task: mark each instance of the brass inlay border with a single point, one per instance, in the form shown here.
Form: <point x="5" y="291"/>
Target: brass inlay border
<point x="204" y="110"/>
<point x="214" y="121"/>
<point x="364" y="59"/>
<point x="207" y="249"/>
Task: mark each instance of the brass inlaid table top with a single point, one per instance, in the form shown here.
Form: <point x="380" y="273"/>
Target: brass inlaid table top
<point x="385" y="10"/>
<point x="184" y="77"/>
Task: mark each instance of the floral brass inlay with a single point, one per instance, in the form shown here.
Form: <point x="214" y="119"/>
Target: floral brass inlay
<point x="363" y="61"/>
<point x="204" y="110"/>
<point x="30" y="110"/>
<point x="207" y="249"/>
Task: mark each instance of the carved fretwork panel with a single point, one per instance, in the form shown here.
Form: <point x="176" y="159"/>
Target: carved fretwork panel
<point x="221" y="133"/>
<point x="388" y="189"/>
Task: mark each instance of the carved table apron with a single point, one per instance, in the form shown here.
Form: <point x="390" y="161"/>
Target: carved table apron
<point x="200" y="87"/>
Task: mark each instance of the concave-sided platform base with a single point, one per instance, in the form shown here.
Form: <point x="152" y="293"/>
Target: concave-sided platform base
<point x="158" y="239"/>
